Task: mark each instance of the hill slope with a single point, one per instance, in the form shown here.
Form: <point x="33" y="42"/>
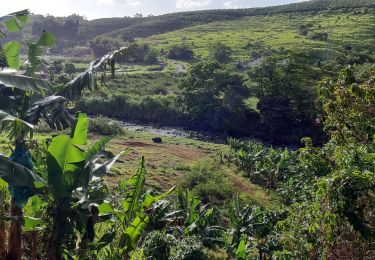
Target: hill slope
<point x="250" y="35"/>
<point x="128" y="28"/>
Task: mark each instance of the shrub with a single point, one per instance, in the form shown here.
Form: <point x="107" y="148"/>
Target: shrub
<point x="151" y="57"/>
<point x="160" y="109"/>
<point x="182" y="52"/>
<point x="102" y="45"/>
<point x="157" y="245"/>
<point x="319" y="36"/>
<point x="209" y="183"/>
<point x="190" y="248"/>
<point x="69" y="68"/>
<point x="105" y="126"/>
<point x="221" y="53"/>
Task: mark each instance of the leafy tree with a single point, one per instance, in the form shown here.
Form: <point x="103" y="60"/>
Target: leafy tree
<point x="181" y="52"/>
<point x="212" y="95"/>
<point x="151" y="57"/>
<point x="220" y="53"/>
<point x="102" y="45"/>
<point x="69" y="68"/>
<point x="286" y="96"/>
<point x="336" y="216"/>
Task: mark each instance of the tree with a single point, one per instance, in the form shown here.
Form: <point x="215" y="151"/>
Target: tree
<point x="286" y="96"/>
<point x="102" y="45"/>
<point x="151" y="56"/>
<point x="69" y="68"/>
<point x="213" y="95"/>
<point x="220" y="53"/>
<point x="336" y="214"/>
<point x="181" y="52"/>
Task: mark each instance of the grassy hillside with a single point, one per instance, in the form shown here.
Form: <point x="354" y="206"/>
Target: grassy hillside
<point x="249" y="35"/>
<point x="127" y="28"/>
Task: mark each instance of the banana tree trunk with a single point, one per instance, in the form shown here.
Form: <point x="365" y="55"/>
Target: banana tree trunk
<point x="57" y="232"/>
<point x="20" y="195"/>
<point x="54" y="250"/>
<point x="3" y="235"/>
<point x="15" y="234"/>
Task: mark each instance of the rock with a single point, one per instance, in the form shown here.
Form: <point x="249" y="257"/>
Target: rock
<point x="157" y="140"/>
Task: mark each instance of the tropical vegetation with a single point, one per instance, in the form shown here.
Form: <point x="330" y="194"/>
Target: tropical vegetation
<point x="293" y="178"/>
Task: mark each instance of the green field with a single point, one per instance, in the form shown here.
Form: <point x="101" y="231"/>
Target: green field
<point x="275" y="32"/>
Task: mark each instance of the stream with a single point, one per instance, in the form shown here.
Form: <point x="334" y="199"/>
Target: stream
<point x="175" y="132"/>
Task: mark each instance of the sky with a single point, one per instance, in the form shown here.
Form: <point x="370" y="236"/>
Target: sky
<point x="93" y="9"/>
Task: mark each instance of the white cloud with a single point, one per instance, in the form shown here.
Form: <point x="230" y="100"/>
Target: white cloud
<point x="185" y="4"/>
<point x="230" y="5"/>
<point x="105" y="2"/>
<point x="133" y="2"/>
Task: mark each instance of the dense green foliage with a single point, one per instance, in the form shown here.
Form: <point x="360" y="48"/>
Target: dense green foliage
<point x="56" y="188"/>
<point x="328" y="191"/>
<point x="284" y="85"/>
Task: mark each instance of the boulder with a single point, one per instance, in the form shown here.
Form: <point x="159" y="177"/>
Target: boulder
<point x="157" y="140"/>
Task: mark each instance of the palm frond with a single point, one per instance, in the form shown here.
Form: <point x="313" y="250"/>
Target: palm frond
<point x="51" y="110"/>
<point x="87" y="79"/>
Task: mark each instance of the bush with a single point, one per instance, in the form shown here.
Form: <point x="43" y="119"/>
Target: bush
<point x="105" y="126"/>
<point x="151" y="57"/>
<point x="190" y="248"/>
<point x="159" y="109"/>
<point x="319" y="36"/>
<point x="102" y="45"/>
<point x="69" y="68"/>
<point x="157" y="245"/>
<point x="221" y="53"/>
<point x="209" y="183"/>
<point x="181" y="52"/>
<point x="62" y="79"/>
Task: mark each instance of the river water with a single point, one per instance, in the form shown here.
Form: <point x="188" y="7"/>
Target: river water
<point x="175" y="132"/>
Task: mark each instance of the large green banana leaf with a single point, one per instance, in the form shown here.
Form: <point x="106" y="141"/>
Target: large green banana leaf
<point x="15" y="21"/>
<point x="11" y="51"/>
<point x="17" y="175"/>
<point x="65" y="159"/>
<point x="134" y="232"/>
<point x="35" y="50"/>
<point x="24" y="83"/>
<point x="134" y="192"/>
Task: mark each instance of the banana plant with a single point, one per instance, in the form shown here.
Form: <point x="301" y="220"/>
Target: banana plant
<point x="135" y="211"/>
<point x="3" y="208"/>
<point x="17" y="92"/>
<point x="72" y="185"/>
<point x="188" y="216"/>
<point x="253" y="230"/>
<point x="26" y="100"/>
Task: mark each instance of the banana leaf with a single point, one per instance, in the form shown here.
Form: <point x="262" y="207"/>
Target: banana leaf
<point x="17" y="175"/>
<point x="24" y="83"/>
<point x="51" y="110"/>
<point x="87" y="80"/>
